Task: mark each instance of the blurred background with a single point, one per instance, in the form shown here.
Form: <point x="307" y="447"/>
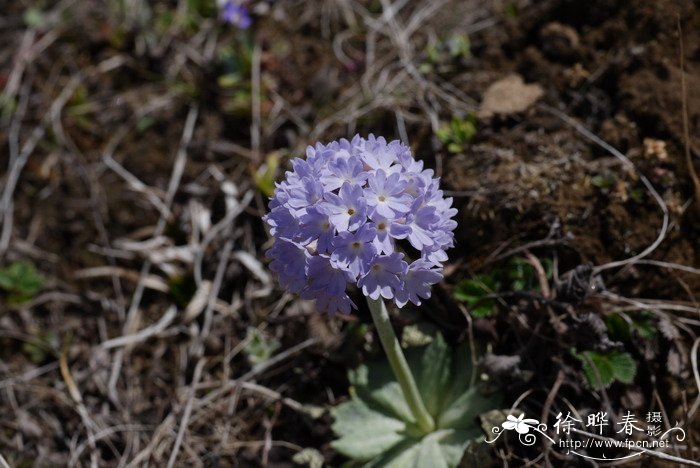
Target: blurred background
<point x="139" y="142"/>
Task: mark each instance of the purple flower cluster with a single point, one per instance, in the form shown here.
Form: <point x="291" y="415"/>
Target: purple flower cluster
<point x="337" y="217"/>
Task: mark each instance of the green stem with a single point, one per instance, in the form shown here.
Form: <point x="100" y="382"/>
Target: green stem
<point x="399" y="365"/>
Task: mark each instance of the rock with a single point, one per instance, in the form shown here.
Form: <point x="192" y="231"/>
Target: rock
<point x="559" y="41"/>
<point x="509" y="95"/>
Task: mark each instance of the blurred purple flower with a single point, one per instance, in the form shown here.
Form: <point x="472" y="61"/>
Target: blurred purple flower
<point x="236" y="14"/>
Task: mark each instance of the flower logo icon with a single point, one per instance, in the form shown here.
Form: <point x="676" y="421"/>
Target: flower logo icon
<point x="520" y="424"/>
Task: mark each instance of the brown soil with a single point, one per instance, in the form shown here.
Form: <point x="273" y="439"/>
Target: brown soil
<point x="526" y="178"/>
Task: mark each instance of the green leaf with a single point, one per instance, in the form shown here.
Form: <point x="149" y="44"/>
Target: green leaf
<point x="430" y="454"/>
<point x="144" y="123"/>
<point x="462" y="411"/>
<point x="472" y="290"/>
<point x="402" y="455"/>
<point x="375" y="383"/>
<point x="364" y="433"/>
<point x="377" y="426"/>
<point x="521" y="274"/>
<point x="444" y="51"/>
<point x="623" y="365"/>
<point x="644" y="324"/>
<point x="454" y="442"/>
<point x="258" y="347"/>
<point x="7" y="281"/>
<point x="623" y="328"/>
<point x="229" y="80"/>
<point x="34" y="18"/>
<point x="182" y="288"/>
<point x="618" y="328"/>
<point x="458" y="133"/>
<point x="39" y="347"/>
<point x="462" y="374"/>
<point x="603" y="182"/>
<point x="21" y="281"/>
<point x="265" y="176"/>
<point x="434" y="374"/>
<point x="511" y="10"/>
<point x="8" y="105"/>
<point x="459" y="45"/>
<point x="637" y="195"/>
<point x="602" y="369"/>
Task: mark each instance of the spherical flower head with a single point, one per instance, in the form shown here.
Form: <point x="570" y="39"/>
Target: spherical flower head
<point x="360" y="213"/>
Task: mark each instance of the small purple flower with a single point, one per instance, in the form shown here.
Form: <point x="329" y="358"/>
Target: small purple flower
<point x="348" y="209"/>
<point x="282" y="223"/>
<point x="304" y="194"/>
<point x="304" y="169"/>
<point x="336" y="217"/>
<point x="384" y="276"/>
<point x="436" y="257"/>
<point x="323" y="276"/>
<point x="378" y="155"/>
<point x="316" y="226"/>
<point x="420" y="221"/>
<point x="289" y="262"/>
<point x="354" y="251"/>
<point x="236" y="14"/>
<point x="386" y="194"/>
<point x="333" y="304"/>
<point x="421" y="275"/>
<point x="386" y="230"/>
<point x="343" y="170"/>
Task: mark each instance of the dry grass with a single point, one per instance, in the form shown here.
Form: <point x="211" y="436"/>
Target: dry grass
<point x="127" y="181"/>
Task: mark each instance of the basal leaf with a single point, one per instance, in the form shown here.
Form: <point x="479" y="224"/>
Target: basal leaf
<point x="434" y="376"/>
<point x="454" y="442"/>
<point x="403" y="455"/>
<point x="430" y="454"/>
<point x="377" y="426"/>
<point x="462" y="370"/>
<point x="390" y="397"/>
<point x="462" y="412"/>
<point x="364" y="433"/>
<point x="375" y="383"/>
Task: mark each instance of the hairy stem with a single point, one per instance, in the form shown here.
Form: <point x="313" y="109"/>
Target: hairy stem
<point x="398" y="363"/>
